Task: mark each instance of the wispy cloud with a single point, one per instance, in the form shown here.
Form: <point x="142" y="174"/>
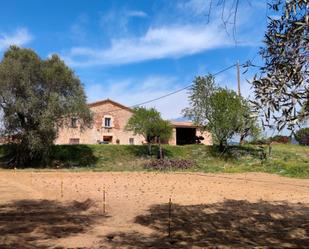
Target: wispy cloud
<point x="20" y="37"/>
<point x="131" y="91"/>
<point x="116" y="21"/>
<point x="156" y="43"/>
<point x="196" y="7"/>
<point x="136" y="13"/>
<point x="78" y="28"/>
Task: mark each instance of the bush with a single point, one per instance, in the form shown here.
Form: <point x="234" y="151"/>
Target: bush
<point x="67" y="156"/>
<point x="262" y="141"/>
<point x="302" y="136"/>
<point x="161" y="164"/>
<point x="280" y="139"/>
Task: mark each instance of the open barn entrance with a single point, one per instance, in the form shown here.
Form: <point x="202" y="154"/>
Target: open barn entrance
<point x="185" y="136"/>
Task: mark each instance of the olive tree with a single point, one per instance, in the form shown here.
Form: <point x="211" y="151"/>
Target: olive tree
<point x="36" y="97"/>
<point x="149" y="124"/>
<point x="282" y="87"/>
<point x="162" y="130"/>
<point x="219" y="110"/>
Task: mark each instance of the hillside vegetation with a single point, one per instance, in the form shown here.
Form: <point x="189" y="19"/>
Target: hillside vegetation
<point x="285" y="159"/>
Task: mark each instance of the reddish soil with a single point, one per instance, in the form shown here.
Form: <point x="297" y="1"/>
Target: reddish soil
<point x="208" y="210"/>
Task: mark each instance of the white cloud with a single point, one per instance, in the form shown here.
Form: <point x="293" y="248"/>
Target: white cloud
<point x="78" y="30"/>
<point x="136" y="13"/>
<point x="196" y="7"/>
<point x="20" y="37"/>
<point x="134" y="91"/>
<point x="116" y="21"/>
<point x="156" y="43"/>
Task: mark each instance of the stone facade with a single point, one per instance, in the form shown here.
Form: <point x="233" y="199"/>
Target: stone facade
<point x="110" y="119"/>
<point x="113" y="133"/>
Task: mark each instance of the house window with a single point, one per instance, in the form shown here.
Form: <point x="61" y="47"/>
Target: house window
<point x="107" y="122"/>
<point x="131" y="140"/>
<point x="73" y="122"/>
<point x="74" y="141"/>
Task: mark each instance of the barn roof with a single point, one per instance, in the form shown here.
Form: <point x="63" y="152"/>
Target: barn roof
<point x="183" y="124"/>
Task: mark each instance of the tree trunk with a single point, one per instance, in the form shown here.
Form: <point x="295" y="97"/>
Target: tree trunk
<point x="160" y="149"/>
<point x="221" y="146"/>
<point x="149" y="148"/>
<point x="148" y="139"/>
<point x="269" y="149"/>
<point x="242" y="139"/>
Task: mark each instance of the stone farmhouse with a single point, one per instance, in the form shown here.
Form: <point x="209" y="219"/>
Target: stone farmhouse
<point x="110" y="119"/>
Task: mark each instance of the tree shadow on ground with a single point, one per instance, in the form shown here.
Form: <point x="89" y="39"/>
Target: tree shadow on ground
<point x="31" y="223"/>
<point x="61" y="156"/>
<point x="228" y="224"/>
<point x="67" y="156"/>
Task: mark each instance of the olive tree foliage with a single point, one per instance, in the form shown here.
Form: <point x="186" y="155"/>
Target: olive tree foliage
<point x="163" y="131"/>
<point x="37" y="97"/>
<point x="282" y="87"/>
<point x="199" y="99"/>
<point x="141" y="122"/>
<point x="224" y="115"/>
<point x="250" y="127"/>
<point x="220" y="111"/>
<point x="149" y="124"/>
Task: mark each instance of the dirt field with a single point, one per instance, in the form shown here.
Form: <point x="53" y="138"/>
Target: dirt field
<point x="208" y="210"/>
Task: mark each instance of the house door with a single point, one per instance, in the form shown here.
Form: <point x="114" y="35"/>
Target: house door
<point x="185" y="136"/>
<point x="108" y="139"/>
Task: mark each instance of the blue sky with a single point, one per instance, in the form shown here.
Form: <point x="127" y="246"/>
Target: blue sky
<point x="132" y="51"/>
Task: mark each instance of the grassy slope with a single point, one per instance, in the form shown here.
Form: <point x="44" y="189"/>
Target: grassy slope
<point x="290" y="160"/>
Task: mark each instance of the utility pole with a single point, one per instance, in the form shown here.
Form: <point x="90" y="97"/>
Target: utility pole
<point x="238" y="78"/>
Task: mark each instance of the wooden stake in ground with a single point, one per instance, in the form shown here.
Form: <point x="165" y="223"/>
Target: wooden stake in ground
<point x="169" y="217"/>
<point x="61" y="188"/>
<point x="103" y="201"/>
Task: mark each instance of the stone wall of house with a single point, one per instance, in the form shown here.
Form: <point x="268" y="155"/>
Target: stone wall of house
<point x="173" y="139"/>
<point x="207" y="137"/>
<point x="119" y="117"/>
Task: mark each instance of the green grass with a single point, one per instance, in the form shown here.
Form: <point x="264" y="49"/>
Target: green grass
<point x="286" y="159"/>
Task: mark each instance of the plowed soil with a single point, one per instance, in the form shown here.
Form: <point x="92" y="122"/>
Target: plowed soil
<point x="152" y="210"/>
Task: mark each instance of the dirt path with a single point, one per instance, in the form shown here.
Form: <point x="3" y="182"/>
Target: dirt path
<point x="225" y="210"/>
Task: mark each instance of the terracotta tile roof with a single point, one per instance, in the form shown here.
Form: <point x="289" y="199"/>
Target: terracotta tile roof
<point x="101" y="102"/>
<point x="183" y="124"/>
<point x="179" y="124"/>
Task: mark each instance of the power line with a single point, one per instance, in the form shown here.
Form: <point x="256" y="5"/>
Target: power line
<point x="181" y="89"/>
<point x="174" y="92"/>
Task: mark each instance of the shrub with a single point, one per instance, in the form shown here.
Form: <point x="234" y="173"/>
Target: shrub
<point x="63" y="156"/>
<point x="161" y="164"/>
<point x="261" y="141"/>
<point x="302" y="136"/>
<point x="280" y="139"/>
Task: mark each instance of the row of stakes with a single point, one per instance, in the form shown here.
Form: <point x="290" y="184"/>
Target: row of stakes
<point x="104" y="207"/>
